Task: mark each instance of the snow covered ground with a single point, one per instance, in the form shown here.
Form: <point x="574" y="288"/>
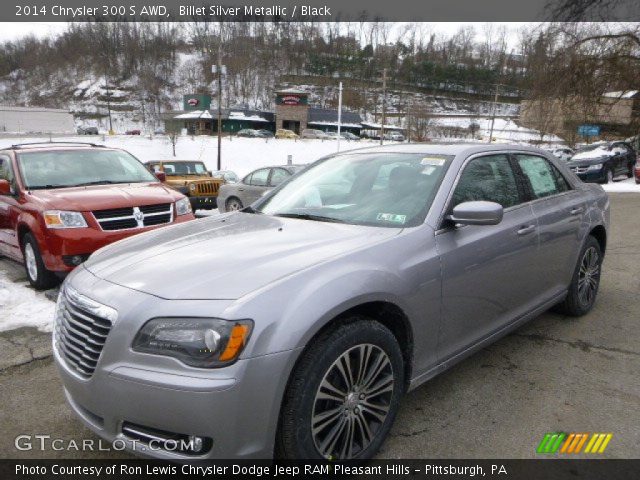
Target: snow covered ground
<point x="624" y="186"/>
<point x="21" y="306"/>
<point x="242" y="155"/>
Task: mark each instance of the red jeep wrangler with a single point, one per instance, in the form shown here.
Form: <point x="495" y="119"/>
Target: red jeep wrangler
<point x="60" y="202"/>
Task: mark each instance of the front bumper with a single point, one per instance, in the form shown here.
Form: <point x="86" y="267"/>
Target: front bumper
<point x="598" y="176"/>
<point x="238" y="413"/>
<point x="236" y="406"/>
<point x="84" y="241"/>
<point x="203" y="203"/>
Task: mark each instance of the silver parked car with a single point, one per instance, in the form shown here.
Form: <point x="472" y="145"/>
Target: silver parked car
<point x="238" y="195"/>
<point x="295" y="327"/>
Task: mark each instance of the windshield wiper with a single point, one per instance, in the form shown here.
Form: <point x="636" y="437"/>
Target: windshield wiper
<point x="97" y="182"/>
<point x="309" y="216"/>
<point x="47" y="187"/>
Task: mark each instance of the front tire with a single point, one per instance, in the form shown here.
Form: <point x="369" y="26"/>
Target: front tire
<point x="343" y="395"/>
<point x="39" y="277"/>
<point x="586" y="280"/>
<point x="609" y="178"/>
<point x="233" y="204"/>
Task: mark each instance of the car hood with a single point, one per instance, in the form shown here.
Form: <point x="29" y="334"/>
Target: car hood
<point x="226" y="257"/>
<point x="100" y="197"/>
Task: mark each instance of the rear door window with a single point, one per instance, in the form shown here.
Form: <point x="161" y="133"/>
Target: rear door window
<point x="544" y="178"/>
<point x="278" y="175"/>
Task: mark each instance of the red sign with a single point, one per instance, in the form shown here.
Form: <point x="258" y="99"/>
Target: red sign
<point x="290" y="100"/>
<point x="193" y="102"/>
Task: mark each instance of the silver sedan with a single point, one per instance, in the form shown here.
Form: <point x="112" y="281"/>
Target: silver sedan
<point x="295" y="327"/>
<point x="236" y="196"/>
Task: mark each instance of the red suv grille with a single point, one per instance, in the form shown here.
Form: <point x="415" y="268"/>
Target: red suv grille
<point x="134" y="217"/>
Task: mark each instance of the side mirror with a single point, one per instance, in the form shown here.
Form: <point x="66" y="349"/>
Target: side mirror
<point x="5" y="187"/>
<point x="161" y="176"/>
<point x="477" y="213"/>
<point x="210" y="173"/>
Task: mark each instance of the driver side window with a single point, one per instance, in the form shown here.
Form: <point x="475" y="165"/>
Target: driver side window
<point x="6" y="171"/>
<point x="259" y="178"/>
<point x="490" y="179"/>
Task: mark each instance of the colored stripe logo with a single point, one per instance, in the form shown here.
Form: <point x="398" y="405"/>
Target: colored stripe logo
<point x="572" y="443"/>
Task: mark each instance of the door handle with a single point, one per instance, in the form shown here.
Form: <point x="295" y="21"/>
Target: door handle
<point x="241" y="189"/>
<point x="576" y="211"/>
<point x="526" y="229"/>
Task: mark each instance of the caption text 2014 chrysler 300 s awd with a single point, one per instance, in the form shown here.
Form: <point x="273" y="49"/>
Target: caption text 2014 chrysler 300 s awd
<point x="293" y="327"/>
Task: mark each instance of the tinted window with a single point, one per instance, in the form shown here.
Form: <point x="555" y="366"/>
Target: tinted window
<point x="278" y="175"/>
<point x="490" y="179"/>
<point x="544" y="178"/>
<point x="259" y="178"/>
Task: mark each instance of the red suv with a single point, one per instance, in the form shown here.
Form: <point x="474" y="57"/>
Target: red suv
<point x="61" y="202"/>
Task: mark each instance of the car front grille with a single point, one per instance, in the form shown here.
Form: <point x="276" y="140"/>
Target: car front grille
<point x="207" y="188"/>
<point x="134" y="217"/>
<point x="579" y="169"/>
<point x="81" y="327"/>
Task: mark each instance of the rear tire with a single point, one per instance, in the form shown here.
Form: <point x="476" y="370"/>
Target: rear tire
<point x="232" y="204"/>
<point x="585" y="282"/>
<point x="39" y="277"/>
<point x="333" y="408"/>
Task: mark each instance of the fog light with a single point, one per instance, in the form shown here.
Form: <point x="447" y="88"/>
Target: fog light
<point x="76" y="260"/>
<point x="196" y="443"/>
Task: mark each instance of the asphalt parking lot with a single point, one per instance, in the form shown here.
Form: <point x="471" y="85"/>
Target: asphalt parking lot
<point x="554" y="374"/>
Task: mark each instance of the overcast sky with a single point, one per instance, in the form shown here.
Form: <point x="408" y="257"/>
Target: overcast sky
<point x="15" y="30"/>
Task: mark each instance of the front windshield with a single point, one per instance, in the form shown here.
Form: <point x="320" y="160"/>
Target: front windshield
<point x="378" y="189"/>
<point x="80" y="167"/>
<point x="182" y="168"/>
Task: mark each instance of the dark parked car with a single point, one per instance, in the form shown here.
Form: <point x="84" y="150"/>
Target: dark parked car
<point x="265" y="133"/>
<point x="87" y="130"/>
<point x="135" y="131"/>
<point x="602" y="162"/>
<point x="248" y="132"/>
<point x="637" y="171"/>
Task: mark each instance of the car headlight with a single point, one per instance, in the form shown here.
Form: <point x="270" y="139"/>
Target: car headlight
<point x="192" y="187"/>
<point x="597" y="166"/>
<point x="199" y="342"/>
<point x="63" y="219"/>
<point x="183" y="206"/>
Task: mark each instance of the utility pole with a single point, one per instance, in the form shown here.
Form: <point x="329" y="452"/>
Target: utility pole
<point x="106" y="86"/>
<point x="493" y="112"/>
<point x="495" y="98"/>
<point x="384" y="104"/>
<point x="339" y="113"/>
<point x="220" y="104"/>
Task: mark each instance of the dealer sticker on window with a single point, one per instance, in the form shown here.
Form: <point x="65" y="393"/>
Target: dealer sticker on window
<point x="434" y="161"/>
<point x="392" y="217"/>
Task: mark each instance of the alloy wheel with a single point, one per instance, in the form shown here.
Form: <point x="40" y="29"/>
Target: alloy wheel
<point x="233" y="205"/>
<point x="589" y="276"/>
<point x="352" y="402"/>
<point x="30" y="261"/>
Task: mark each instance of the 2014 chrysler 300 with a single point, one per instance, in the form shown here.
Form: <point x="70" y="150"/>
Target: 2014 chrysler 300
<point x="293" y="327"/>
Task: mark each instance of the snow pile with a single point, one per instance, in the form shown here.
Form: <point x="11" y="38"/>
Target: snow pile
<point x="626" y="186"/>
<point x="21" y="306"/>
